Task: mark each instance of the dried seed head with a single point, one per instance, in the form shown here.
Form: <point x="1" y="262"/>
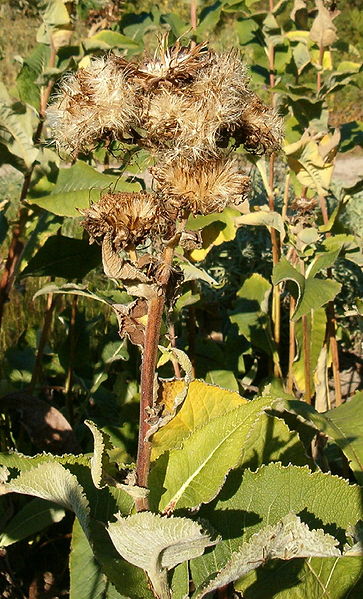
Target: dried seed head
<point x="96" y="102"/>
<point x="259" y="128"/>
<point x="127" y="218"/>
<point x="172" y="67"/>
<point x="201" y="187"/>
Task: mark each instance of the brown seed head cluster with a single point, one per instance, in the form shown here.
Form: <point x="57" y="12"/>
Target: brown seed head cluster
<point x="188" y="100"/>
<point x="186" y="105"/>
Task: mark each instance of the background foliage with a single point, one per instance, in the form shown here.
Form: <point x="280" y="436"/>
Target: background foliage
<point x="270" y="311"/>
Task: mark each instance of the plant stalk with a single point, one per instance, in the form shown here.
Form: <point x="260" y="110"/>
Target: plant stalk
<point x="290" y="377"/>
<point x="47" y="323"/>
<point x="148" y="368"/>
<point x="307" y="357"/>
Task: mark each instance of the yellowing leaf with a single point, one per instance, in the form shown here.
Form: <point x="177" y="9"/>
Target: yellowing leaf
<point x="202" y="403"/>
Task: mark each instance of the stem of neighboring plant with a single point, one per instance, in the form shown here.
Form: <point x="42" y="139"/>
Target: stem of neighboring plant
<point x="47" y="323"/>
<point x="319" y="73"/>
<point x="193" y="13"/>
<point x="331" y="321"/>
<point x="72" y="354"/>
<point x="290" y="377"/>
<point x="307" y="357"/>
<point x="177" y="371"/>
<point x="17" y="245"/>
<point x="148" y="368"/>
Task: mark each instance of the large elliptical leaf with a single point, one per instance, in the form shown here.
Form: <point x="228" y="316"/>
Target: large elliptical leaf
<point x="194" y="473"/>
<point x="53" y="482"/>
<point x="157" y="544"/>
<point x="289" y="538"/>
<point x="86" y="577"/>
<point x="251" y="500"/>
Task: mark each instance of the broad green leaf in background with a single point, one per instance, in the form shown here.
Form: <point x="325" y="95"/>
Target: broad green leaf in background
<point x="107" y="39"/>
<point x="78" y="186"/>
<point x="222" y="378"/>
<point x="344" y="425"/>
<point x="16" y="133"/>
<point x="216" y="229"/>
<point x="157" y="544"/>
<point x="289" y="538"/>
<point x="64" y="257"/>
<point x="53" y="482"/>
<point x="250" y="501"/>
<point x="33" y="517"/>
<point x="33" y="66"/>
<point x="86" y="577"/>
<point x="312" y="293"/>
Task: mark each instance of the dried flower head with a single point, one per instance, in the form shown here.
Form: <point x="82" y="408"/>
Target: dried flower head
<point x="95" y="103"/>
<point x="259" y="128"/>
<point x="170" y="67"/>
<point x="201" y="187"/>
<point x="128" y="219"/>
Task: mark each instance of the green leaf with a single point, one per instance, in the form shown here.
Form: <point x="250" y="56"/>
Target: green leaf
<point x="327" y="578"/>
<point x="157" y="544"/>
<point x="16" y="132"/>
<point x="55" y="13"/>
<point x="223" y="443"/>
<point x="289" y="538"/>
<point x="203" y="402"/>
<point x="312" y="293"/>
<point x="33" y="517"/>
<point x="53" y="482"/>
<point x="86" y="577"/>
<point x="126" y="578"/>
<point x="316" y="322"/>
<point x="208" y="19"/>
<point x="77" y="187"/>
<point x="107" y="39"/>
<point x="106" y="297"/>
<point x="343" y="424"/>
<point x="222" y="378"/>
<point x="264" y="217"/>
<point x="63" y="257"/>
<point x="26" y="82"/>
<point x="264" y="497"/>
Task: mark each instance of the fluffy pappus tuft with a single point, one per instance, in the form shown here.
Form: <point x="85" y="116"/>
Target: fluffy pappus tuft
<point x="201" y="187"/>
<point x="127" y="218"/>
<point x="93" y="104"/>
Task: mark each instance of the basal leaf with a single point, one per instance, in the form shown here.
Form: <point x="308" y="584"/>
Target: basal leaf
<point x="86" y="577"/>
<point x="289" y="538"/>
<point x="33" y="517"/>
<point x="326" y="578"/>
<point x="53" y="482"/>
<point x="157" y="544"/>
<point x="216" y="447"/>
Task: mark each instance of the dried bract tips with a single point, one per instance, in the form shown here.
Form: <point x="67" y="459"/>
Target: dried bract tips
<point x="202" y="187"/>
<point x="127" y="218"/>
